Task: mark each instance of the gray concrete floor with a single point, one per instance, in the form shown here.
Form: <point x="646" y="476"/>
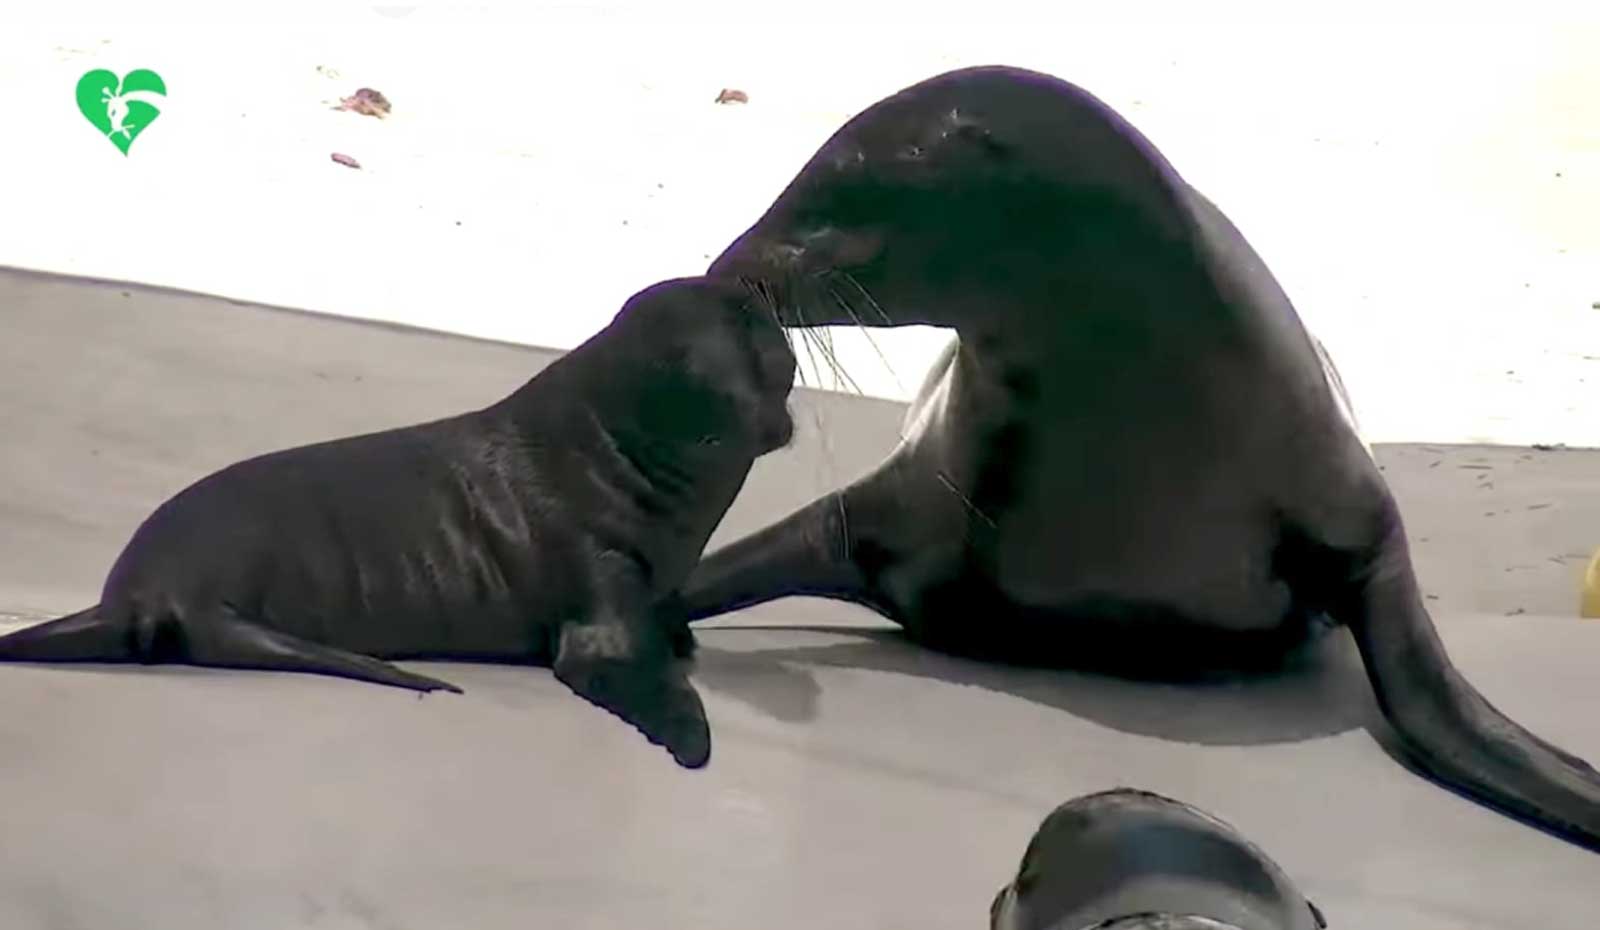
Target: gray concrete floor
<point x="856" y="782"/>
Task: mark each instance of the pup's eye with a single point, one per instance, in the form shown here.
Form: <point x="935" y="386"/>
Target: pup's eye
<point x="912" y="151"/>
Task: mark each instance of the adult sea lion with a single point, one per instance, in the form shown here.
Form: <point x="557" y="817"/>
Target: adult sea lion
<point x="1132" y="457"/>
<point x="1133" y="860"/>
<point x="550" y="527"/>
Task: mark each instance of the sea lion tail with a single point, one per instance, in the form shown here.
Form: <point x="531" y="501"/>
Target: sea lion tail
<point x="86" y="636"/>
<point x="1445" y="726"/>
<point x="807" y="553"/>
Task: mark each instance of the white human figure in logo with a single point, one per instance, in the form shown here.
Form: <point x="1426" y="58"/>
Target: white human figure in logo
<point x="117" y="108"/>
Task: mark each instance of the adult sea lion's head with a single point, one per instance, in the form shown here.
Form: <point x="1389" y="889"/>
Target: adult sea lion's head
<point x="956" y="195"/>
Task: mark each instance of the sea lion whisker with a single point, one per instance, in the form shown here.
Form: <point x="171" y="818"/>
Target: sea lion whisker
<point x="758" y="288"/>
<point x="841" y="377"/>
<point x="823" y="341"/>
<point x="844" y="525"/>
<point x="838" y="367"/>
<point x="788" y="337"/>
<point x="808" y="336"/>
<point x="866" y="333"/>
<point x="871" y="301"/>
<point x="951" y="487"/>
<point x="805" y="339"/>
<point x="764" y="299"/>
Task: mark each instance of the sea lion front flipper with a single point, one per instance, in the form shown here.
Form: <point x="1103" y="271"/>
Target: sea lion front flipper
<point x="227" y="640"/>
<point x="805" y="553"/>
<point x="629" y="669"/>
<point x="1448" y="728"/>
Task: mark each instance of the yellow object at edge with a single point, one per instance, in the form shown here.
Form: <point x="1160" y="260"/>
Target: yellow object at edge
<point x="1589" y="605"/>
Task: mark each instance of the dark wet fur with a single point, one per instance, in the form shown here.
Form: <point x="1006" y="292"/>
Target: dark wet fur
<point x="553" y="528"/>
<point x="1134" y="457"/>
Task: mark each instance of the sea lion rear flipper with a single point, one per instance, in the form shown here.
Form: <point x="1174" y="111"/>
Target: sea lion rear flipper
<point x="1448" y="728"/>
<point x="227" y="640"/>
<point x="629" y="669"/>
<point x="86" y="636"/>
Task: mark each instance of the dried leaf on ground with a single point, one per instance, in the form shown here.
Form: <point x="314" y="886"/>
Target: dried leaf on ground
<point x="367" y="102"/>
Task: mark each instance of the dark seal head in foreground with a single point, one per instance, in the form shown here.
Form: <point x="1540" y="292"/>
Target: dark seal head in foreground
<point x="552" y="527"/>
<point x="1132" y="860"/>
<point x="1133" y="456"/>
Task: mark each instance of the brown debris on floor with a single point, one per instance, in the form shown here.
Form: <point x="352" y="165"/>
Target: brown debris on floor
<point x="730" y="95"/>
<point x="367" y="102"/>
<point x="345" y="160"/>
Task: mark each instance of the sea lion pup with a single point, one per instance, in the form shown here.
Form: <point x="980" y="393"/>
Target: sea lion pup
<point x="1133" y="860"/>
<point x="550" y="528"/>
<point x="1133" y="456"/>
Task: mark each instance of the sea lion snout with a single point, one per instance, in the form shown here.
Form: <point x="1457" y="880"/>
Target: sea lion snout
<point x="774" y="377"/>
<point x="834" y="247"/>
<point x="733" y="343"/>
<point x="811" y="277"/>
<point x="777" y="431"/>
<point x="781" y="255"/>
<point x="764" y="256"/>
<point x="757" y="259"/>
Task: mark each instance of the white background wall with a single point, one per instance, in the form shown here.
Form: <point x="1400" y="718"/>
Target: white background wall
<point x="1425" y="181"/>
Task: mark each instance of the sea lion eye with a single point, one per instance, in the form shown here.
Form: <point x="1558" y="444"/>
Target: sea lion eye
<point x="912" y="151"/>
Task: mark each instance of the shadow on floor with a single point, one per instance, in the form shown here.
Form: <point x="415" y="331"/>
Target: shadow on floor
<point x="1319" y="692"/>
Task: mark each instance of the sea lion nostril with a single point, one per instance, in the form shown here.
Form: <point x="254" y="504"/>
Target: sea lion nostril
<point x="752" y="260"/>
<point x="784" y="254"/>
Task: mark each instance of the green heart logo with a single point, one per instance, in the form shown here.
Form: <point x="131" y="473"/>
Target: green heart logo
<point x="121" y="108"/>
